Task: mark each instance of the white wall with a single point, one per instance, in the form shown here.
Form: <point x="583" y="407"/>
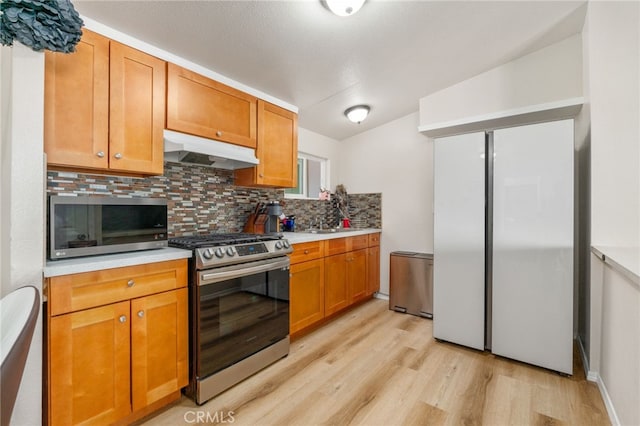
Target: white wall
<point x="615" y="122"/>
<point x="22" y="192"/>
<point x="321" y="146"/>
<point x="547" y="75"/>
<point x="397" y="161"/>
<point x="613" y="37"/>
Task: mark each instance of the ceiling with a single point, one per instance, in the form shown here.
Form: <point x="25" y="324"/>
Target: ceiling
<point x="388" y="55"/>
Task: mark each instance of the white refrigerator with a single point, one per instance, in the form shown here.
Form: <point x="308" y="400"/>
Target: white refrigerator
<point x="503" y="242"/>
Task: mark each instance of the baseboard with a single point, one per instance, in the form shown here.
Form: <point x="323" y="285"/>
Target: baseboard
<point x="593" y="376"/>
<point x="381" y="296"/>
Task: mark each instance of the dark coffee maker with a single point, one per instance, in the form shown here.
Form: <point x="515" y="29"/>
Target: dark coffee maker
<point x="274" y="211"/>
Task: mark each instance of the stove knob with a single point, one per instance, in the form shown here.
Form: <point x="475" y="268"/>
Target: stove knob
<point x="231" y="251"/>
<point x="278" y="245"/>
<point x="208" y="253"/>
<point x="219" y="253"/>
<point x="286" y="244"/>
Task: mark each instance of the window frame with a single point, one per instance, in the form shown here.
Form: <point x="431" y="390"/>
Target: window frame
<point x="324" y="176"/>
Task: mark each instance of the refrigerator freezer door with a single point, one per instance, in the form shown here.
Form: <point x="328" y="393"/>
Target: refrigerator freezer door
<point x="459" y="240"/>
<point x="533" y="244"/>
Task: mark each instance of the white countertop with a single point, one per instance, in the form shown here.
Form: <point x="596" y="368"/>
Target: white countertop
<point x="624" y="259"/>
<point x="305" y="237"/>
<point x="54" y="268"/>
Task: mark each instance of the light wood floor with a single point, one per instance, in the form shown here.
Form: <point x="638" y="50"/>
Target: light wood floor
<point x="373" y="366"/>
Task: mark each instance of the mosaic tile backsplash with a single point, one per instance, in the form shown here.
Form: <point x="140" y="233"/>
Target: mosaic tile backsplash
<point x="202" y="200"/>
<point x="364" y="210"/>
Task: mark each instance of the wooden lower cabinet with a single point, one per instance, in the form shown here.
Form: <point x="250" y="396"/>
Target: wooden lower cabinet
<point x="90" y="366"/>
<point x="336" y="293"/>
<point x="159" y="346"/>
<point x="113" y="363"/>
<point x="306" y="294"/>
<point x="357" y="275"/>
<point x="346" y="280"/>
<point x="373" y="270"/>
<point x="324" y="285"/>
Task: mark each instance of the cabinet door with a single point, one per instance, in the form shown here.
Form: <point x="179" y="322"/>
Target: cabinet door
<point x="137" y="111"/>
<point x="89" y="352"/>
<point x="357" y="274"/>
<point x="306" y="290"/>
<point x="76" y="104"/>
<point x="373" y="270"/>
<point x="277" y="149"/>
<point x="159" y="346"/>
<point x="203" y="107"/>
<point x="277" y="146"/>
<point x="336" y="295"/>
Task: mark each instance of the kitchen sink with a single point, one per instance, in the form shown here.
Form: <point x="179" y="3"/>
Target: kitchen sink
<point x="330" y="230"/>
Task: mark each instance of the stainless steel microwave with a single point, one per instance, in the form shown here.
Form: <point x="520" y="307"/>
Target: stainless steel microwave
<point x="85" y="226"/>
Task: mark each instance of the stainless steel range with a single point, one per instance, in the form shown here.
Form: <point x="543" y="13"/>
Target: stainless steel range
<point x="239" y="308"/>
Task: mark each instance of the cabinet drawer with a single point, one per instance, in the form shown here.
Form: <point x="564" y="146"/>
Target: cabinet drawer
<point x="307" y="251"/>
<point x="69" y="293"/>
<point x="374" y="239"/>
<point x="358" y="242"/>
<point x="336" y="246"/>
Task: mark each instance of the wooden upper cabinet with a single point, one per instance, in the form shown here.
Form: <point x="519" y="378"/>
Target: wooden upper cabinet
<point x="204" y="107"/>
<point x="136" y="110"/>
<point x="277" y="149"/>
<point x="76" y="104"/>
<point x="104" y="108"/>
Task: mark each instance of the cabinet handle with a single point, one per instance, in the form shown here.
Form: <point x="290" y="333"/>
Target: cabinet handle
<point x="306" y="252"/>
<point x="117" y="156"/>
<point x="218" y="133"/>
<point x="130" y="283"/>
<point x="122" y="318"/>
<point x="140" y="314"/>
<point x="261" y="175"/>
<point x="100" y="154"/>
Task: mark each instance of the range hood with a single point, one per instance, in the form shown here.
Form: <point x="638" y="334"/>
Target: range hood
<point x="184" y="148"/>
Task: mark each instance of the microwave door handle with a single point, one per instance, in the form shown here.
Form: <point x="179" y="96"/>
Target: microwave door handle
<point x="241" y="271"/>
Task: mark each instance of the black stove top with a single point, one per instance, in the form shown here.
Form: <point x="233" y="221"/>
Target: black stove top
<point x="193" y="242"/>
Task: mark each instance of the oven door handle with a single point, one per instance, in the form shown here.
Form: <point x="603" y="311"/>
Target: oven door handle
<point x="238" y="271"/>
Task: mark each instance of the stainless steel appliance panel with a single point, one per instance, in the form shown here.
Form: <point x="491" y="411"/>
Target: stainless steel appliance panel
<point x="411" y="283"/>
<point x="240" y="312"/>
<point x="84" y="226"/>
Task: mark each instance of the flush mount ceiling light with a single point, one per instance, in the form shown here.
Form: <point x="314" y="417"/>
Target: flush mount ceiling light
<point x="357" y="113"/>
<point x="344" y="7"/>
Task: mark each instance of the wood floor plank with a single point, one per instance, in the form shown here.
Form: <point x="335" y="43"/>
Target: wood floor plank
<point x="373" y="366"/>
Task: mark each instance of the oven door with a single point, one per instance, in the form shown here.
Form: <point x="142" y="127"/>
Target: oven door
<point x="240" y="310"/>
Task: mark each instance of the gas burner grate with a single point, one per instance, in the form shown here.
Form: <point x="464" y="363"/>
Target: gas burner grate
<point x="193" y="242"/>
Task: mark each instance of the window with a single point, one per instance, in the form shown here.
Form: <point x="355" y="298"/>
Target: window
<point x="312" y="175"/>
